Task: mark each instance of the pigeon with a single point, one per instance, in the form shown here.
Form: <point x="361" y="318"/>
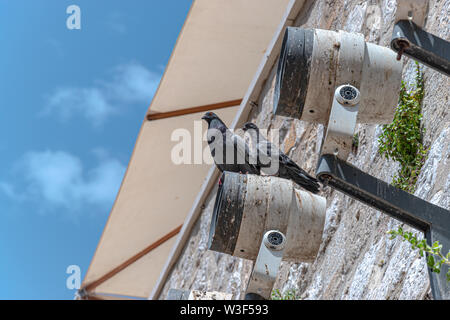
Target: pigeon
<point x="229" y="151"/>
<point x="286" y="168"/>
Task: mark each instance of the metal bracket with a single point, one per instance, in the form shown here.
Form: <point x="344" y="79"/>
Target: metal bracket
<point x="434" y="221"/>
<point x="266" y="266"/>
<point x="411" y="40"/>
<point x="342" y="123"/>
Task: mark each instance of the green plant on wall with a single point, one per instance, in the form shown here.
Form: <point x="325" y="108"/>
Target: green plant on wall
<point x="288" y="295"/>
<point x="435" y="258"/>
<point x="355" y="143"/>
<point x="402" y="140"/>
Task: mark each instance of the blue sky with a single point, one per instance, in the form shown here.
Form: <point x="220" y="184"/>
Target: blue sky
<point x="72" y="103"/>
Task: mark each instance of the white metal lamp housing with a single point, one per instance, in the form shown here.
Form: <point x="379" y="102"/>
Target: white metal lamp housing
<point x="314" y="62"/>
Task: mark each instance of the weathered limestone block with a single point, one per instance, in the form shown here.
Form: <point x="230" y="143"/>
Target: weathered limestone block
<point x="214" y="295"/>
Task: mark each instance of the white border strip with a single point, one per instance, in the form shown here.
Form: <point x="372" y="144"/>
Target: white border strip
<point x="253" y="92"/>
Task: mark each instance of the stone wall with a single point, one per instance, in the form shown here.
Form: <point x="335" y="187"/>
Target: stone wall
<point x="356" y="259"/>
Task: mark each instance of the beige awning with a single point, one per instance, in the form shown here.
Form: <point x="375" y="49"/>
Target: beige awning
<point x="217" y="52"/>
<point x="214" y="60"/>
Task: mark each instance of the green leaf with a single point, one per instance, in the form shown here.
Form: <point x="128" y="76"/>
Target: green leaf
<point x="430" y="261"/>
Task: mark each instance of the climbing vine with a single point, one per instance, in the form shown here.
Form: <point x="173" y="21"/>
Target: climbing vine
<point x="435" y="258"/>
<point x="402" y="140"/>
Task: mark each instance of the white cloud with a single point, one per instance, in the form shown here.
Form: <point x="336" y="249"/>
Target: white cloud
<point x="57" y="180"/>
<point x="131" y="83"/>
<point x="104" y="182"/>
<point x="89" y="102"/>
<point x="56" y="176"/>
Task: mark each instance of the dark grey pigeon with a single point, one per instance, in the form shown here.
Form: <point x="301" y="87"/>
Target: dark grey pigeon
<point x="229" y="151"/>
<point x="266" y="154"/>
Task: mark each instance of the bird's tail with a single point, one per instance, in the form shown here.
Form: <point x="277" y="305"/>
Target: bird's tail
<point x="303" y="179"/>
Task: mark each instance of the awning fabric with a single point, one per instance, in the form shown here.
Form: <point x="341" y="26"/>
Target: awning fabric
<point x="212" y="64"/>
<point x="217" y="52"/>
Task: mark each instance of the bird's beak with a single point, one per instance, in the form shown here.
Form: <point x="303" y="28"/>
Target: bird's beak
<point x="205" y="117"/>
